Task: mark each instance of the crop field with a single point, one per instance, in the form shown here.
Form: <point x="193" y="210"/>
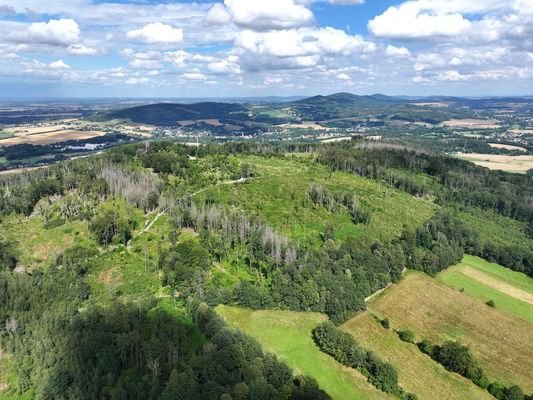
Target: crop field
<point x="417" y="373"/>
<point x="437" y="312"/>
<point x="520" y="164"/>
<point x="507" y="147"/>
<point x="511" y="291"/>
<point x="288" y="335"/>
<point x="472" y="123"/>
<point x="50" y="137"/>
<point x="279" y="195"/>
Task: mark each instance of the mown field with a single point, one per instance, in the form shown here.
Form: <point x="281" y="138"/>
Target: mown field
<point x="280" y="196"/>
<point x="503" y="343"/>
<point x="511" y="291"/>
<point x="519" y="164"/>
<point x="417" y="373"/>
<point x="288" y="335"/>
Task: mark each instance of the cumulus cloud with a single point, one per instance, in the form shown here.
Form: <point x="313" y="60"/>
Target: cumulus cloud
<point x="399" y="52"/>
<point x="59" y="64"/>
<point x="157" y="33"/>
<point x="194" y="76"/>
<point x="225" y="67"/>
<point x="261" y="15"/>
<point x="57" y="32"/>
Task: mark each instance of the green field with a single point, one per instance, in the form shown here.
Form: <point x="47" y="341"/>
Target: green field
<point x="436" y="312"/>
<point x="288" y="335"/>
<point x="516" y="286"/>
<point x="279" y="195"/>
<point x="417" y="373"/>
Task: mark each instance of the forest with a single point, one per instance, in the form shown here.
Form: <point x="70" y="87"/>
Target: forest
<point x="71" y="342"/>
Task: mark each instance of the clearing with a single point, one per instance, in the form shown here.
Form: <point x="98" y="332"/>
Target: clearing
<point x="437" y="312"/>
<point x="280" y="195"/>
<point x="288" y="335"/>
<point x="417" y="373"/>
<point x="511" y="291"/>
<point x="520" y="164"/>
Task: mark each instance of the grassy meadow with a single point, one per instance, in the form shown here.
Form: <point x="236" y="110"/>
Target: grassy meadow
<point x="288" y="335"/>
<point x="417" y="373"/>
<point x="437" y="312"/>
<point x="511" y="291"/>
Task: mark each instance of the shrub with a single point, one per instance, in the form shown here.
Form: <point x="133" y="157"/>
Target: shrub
<point x="491" y="303"/>
<point x="385" y="323"/>
<point x="406" y="336"/>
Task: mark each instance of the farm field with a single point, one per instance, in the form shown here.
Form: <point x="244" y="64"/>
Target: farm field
<point x="511" y="291"/>
<point x="288" y="335"/>
<point x="417" y="373"/>
<point x="279" y="195"/>
<point x="50" y="137"/>
<point x="472" y="123"/>
<point x="437" y="312"/>
<point x="507" y="147"/>
<point x="520" y="164"/>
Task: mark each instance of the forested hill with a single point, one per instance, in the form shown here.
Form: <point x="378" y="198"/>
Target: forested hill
<point x="111" y="266"/>
<point x="170" y="114"/>
<point x="317" y="108"/>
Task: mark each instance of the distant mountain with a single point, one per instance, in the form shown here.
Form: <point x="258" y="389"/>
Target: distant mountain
<point x="349" y="99"/>
<point x="170" y="114"/>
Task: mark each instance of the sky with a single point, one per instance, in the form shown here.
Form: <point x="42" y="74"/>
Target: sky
<point x="244" y="48"/>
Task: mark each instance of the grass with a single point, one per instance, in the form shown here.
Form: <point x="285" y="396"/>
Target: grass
<point x="437" y="312"/>
<point x="288" y="335"/>
<point x="417" y="373"/>
<point x="279" y="196"/>
<point x="9" y="380"/>
<point x="510" y="280"/>
<point x="37" y="245"/>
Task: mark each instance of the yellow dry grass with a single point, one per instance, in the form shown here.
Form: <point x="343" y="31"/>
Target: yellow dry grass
<point x="417" y="373"/>
<point x="500" y="162"/>
<point x="507" y="147"/>
<point x="472" y="123"/>
<point x="501" y="342"/>
<point x="50" y="137"/>
<point x="501" y="286"/>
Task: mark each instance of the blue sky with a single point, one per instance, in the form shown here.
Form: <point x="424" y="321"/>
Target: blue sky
<point x="232" y="48"/>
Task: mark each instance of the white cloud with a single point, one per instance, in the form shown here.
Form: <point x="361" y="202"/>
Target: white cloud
<point x="157" y="33"/>
<point x="55" y="32"/>
<point x="81" y="50"/>
<point x="137" y="81"/>
<point x="344" y="77"/>
<point x="399" y="52"/>
<point x="224" y="67"/>
<point x="262" y="15"/>
<point x="59" y="64"/>
<point x="194" y="76"/>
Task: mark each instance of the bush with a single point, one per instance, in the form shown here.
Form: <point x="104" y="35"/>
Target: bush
<point x="406" y="336"/>
<point x="385" y="323"/>
<point x="491" y="303"/>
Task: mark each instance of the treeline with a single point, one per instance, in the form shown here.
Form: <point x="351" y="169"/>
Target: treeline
<point x="442" y="240"/>
<point x="344" y="348"/>
<point x="66" y="348"/>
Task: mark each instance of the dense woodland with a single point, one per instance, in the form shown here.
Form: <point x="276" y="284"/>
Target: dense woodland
<point x="67" y="345"/>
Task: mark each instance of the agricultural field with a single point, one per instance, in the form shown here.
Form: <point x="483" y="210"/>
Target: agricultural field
<point x="288" y="335"/>
<point x="50" y="137"/>
<point x="511" y="291"/>
<point x="507" y="147"/>
<point x="417" y="373"/>
<point x="472" y="123"/>
<point x="279" y="195"/>
<point x="437" y="312"/>
<point x="518" y="164"/>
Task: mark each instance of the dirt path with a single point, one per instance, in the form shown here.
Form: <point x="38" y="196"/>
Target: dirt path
<point x="159" y="214"/>
<point x="494" y="283"/>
